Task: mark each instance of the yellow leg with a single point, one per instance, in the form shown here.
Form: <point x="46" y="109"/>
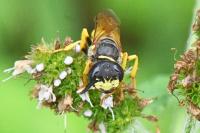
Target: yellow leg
<point x="135" y="66"/>
<point x="86" y="71"/>
<point x="134" y="69"/>
<point x="84" y="36"/>
<point x="124" y="60"/>
<point x="83" y="42"/>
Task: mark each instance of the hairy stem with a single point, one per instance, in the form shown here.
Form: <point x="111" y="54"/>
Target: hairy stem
<point x="192" y="35"/>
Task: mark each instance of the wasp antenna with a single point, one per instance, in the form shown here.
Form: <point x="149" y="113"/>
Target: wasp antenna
<point x="88" y="86"/>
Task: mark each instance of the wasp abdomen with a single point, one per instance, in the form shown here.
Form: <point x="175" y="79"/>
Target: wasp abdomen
<point x="107" y="47"/>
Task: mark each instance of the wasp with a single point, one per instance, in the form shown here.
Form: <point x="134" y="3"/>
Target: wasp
<point x="104" y="69"/>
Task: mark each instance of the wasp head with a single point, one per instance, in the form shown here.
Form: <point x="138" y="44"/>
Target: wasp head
<point x="105" y="76"/>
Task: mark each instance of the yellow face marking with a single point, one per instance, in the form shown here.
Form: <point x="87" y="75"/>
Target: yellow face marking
<point x="107" y="85"/>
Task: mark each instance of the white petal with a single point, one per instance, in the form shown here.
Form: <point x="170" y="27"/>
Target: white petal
<point x="108" y="102"/>
<point x="102" y="127"/>
<point x="33" y="71"/>
<point x="63" y="75"/>
<point x="88" y="113"/>
<point x="29" y="69"/>
<point x="53" y="97"/>
<point x="69" y="70"/>
<point x="57" y="82"/>
<point x="85" y="97"/>
<point x="68" y="60"/>
<point x="4" y="80"/>
<point x="39" y="105"/>
<point x="40" y="67"/>
<point x="17" y="72"/>
<point x="8" y="70"/>
<point x="47" y="96"/>
<point x="113" y="115"/>
<point x="77" y="48"/>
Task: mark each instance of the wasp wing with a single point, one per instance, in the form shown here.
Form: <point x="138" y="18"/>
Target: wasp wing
<point x="107" y="25"/>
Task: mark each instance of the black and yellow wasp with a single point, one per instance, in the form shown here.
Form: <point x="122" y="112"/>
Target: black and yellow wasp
<point x="104" y="69"/>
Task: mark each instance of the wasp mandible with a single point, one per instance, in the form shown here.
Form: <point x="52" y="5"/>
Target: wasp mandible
<point x="104" y="69"/>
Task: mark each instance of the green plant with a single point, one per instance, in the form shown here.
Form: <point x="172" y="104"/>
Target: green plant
<point x="58" y="75"/>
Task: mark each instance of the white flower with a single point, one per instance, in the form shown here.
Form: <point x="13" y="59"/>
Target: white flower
<point x="40" y="67"/>
<point x="19" y="67"/>
<point x="57" y="82"/>
<point x="69" y="70"/>
<point x="33" y="71"/>
<point x="85" y="97"/>
<point x="68" y="60"/>
<point x="88" y="113"/>
<point x="45" y="94"/>
<point x="63" y="75"/>
<point x="77" y="48"/>
<point x="107" y="103"/>
<point x="102" y="127"/>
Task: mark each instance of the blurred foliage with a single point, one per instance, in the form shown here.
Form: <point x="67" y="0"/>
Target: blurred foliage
<point x="149" y="29"/>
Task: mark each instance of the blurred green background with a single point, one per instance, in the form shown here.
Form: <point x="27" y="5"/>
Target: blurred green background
<point x="148" y="28"/>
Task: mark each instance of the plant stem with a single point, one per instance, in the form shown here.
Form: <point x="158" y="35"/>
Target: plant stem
<point x="192" y="36"/>
<point x="189" y="124"/>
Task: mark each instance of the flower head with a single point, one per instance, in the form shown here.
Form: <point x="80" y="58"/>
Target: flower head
<point x="68" y="60"/>
<point x="40" y="67"/>
<point x="45" y="94"/>
<point x="107" y="102"/>
<point x="88" y="113"/>
<point x="63" y="75"/>
<point x="20" y="67"/>
<point x="57" y="82"/>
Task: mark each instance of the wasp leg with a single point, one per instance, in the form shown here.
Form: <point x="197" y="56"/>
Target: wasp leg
<point x="85" y="39"/>
<point x="124" y="60"/>
<point x="134" y="69"/>
<point x="68" y="47"/>
<point x="83" y="42"/>
<point x="86" y="71"/>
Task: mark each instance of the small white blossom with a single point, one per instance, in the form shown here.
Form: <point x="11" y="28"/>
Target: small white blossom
<point x="88" y="113"/>
<point x="85" y="97"/>
<point x="107" y="103"/>
<point x="69" y="70"/>
<point x="77" y="48"/>
<point x="45" y="94"/>
<point x="68" y="60"/>
<point x="40" y="67"/>
<point x="33" y="71"/>
<point x="102" y="127"/>
<point x="63" y="75"/>
<point x="20" y="67"/>
<point x="57" y="82"/>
